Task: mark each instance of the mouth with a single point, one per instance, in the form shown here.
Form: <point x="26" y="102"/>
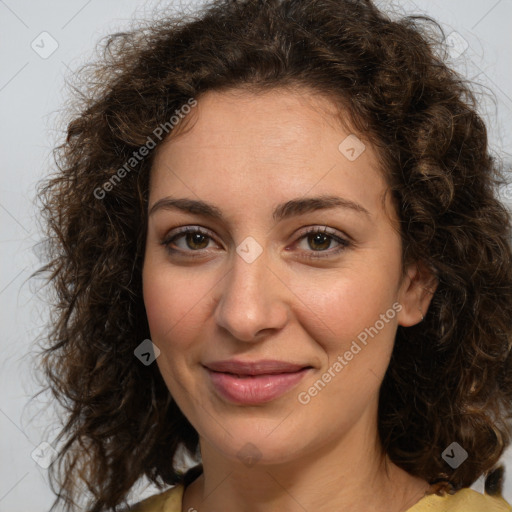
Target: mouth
<point x="255" y="368"/>
<point x="254" y="383"/>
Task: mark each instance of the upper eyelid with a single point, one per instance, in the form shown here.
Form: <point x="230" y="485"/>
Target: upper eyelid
<point x="183" y="230"/>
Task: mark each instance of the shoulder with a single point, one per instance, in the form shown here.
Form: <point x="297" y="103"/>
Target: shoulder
<point x="167" y="501"/>
<point x="465" y="500"/>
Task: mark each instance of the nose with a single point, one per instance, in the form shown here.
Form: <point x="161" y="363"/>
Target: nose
<point x="253" y="300"/>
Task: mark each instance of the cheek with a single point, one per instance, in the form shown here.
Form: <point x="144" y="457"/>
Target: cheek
<point x="358" y="326"/>
<point x="172" y="303"/>
<point x="169" y="301"/>
<point x="352" y="316"/>
<point x="344" y="306"/>
<point x="160" y="302"/>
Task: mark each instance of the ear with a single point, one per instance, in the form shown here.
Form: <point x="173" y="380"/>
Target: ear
<point x="415" y="294"/>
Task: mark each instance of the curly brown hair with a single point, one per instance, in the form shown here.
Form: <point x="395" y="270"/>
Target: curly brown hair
<point x="449" y="378"/>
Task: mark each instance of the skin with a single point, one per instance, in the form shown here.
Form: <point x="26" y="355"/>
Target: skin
<point x="245" y="154"/>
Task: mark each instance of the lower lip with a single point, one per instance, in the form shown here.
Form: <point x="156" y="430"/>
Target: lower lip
<point x="254" y="390"/>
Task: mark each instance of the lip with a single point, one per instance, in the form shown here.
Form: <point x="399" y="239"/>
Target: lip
<point x="262" y="367"/>
<point x="252" y="383"/>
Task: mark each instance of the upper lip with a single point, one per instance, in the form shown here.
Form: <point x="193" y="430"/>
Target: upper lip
<point x="263" y="367"/>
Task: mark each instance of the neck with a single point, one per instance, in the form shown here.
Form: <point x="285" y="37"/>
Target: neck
<point x="350" y="474"/>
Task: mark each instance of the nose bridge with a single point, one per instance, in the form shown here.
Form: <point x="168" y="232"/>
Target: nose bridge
<point x="251" y="298"/>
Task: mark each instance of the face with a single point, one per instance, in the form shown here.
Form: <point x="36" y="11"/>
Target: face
<point x="272" y="274"/>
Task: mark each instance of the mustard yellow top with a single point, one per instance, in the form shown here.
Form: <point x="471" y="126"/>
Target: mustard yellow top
<point x="465" y="500"/>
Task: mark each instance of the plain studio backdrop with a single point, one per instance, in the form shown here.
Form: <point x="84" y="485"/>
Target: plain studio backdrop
<point x="43" y="43"/>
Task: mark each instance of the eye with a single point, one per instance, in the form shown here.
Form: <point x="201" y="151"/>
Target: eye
<point x="193" y="239"/>
<point x="320" y="239"/>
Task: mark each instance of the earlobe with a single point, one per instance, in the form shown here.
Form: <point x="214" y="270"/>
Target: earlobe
<point x="416" y="292"/>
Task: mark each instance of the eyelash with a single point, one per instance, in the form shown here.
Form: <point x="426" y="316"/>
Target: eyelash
<point x="344" y="244"/>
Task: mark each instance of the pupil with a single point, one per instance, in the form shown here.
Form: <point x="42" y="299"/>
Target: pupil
<point x="317" y="239"/>
<point x="195" y="239"/>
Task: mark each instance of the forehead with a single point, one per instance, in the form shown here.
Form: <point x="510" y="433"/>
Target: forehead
<point x="265" y="119"/>
<point x="273" y="145"/>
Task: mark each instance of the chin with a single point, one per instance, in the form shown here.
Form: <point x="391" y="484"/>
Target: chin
<point x="263" y="441"/>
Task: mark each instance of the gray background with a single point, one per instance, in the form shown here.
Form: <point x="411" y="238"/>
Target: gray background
<point x="31" y="97"/>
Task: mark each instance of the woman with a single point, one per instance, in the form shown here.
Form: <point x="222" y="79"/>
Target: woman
<point x="277" y="245"/>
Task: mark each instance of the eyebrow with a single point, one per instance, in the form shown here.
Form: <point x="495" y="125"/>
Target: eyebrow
<point x="282" y="211"/>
